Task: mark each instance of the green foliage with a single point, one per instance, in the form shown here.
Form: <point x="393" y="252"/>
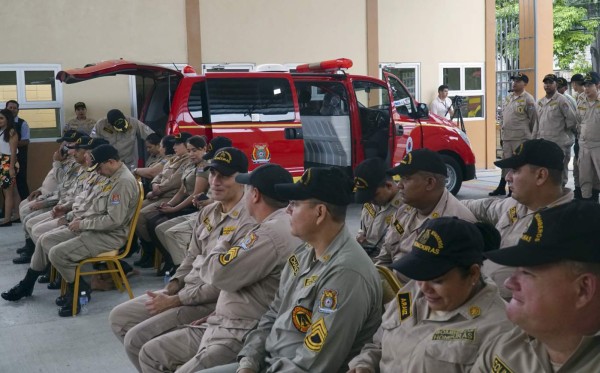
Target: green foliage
<point x="572" y="33"/>
<point x="581" y="65"/>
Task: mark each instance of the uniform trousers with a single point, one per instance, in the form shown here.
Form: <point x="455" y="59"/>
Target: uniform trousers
<point x="149" y="210"/>
<point x="508" y="148"/>
<point x="589" y="170"/>
<point x="175" y="235"/>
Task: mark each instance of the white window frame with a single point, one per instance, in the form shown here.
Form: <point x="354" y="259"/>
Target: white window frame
<point x="405" y="65"/>
<point x="22" y="97"/>
<point x="463" y="92"/>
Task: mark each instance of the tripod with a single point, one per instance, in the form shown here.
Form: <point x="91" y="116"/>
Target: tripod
<point x="457" y="103"/>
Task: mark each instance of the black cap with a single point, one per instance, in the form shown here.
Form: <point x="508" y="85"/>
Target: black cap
<point x="102" y="154"/>
<point x="550" y="77"/>
<point x="444" y="243"/>
<point x="265" y="177"/>
<point x="537" y="152"/>
<point x="368" y="175"/>
<point x="420" y="160"/>
<point x="327" y="184"/>
<point x="215" y="144"/>
<point x="89" y="143"/>
<point x="117" y="119"/>
<point x="562" y="82"/>
<point x="182" y="137"/>
<point x="565" y="232"/>
<point x="577" y="78"/>
<point x="79" y="105"/>
<point x="591" y="78"/>
<point x="71" y="136"/>
<point x="228" y="161"/>
<point x="520" y="76"/>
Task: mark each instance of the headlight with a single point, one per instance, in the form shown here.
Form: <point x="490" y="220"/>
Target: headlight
<point x="463" y="135"/>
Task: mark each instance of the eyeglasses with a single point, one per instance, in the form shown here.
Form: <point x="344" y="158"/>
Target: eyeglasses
<point x="293" y="204"/>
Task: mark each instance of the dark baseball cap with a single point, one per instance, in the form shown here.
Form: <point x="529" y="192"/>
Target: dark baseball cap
<point x="591" y="78"/>
<point x="577" y="78"/>
<point x="71" y="136"/>
<point x="181" y="137"/>
<point x="327" y="184"/>
<point x="443" y="244"/>
<point x="228" y="161"/>
<point x="550" y="77"/>
<point x="102" y="154"/>
<point x="265" y="177"/>
<point x="89" y="143"/>
<point x="117" y="119"/>
<point x="79" y="105"/>
<point x="520" y="76"/>
<point x="562" y="82"/>
<point x="215" y="144"/>
<point x="420" y="160"/>
<point x="565" y="232"/>
<point x="538" y="152"/>
<point x="368" y="175"/>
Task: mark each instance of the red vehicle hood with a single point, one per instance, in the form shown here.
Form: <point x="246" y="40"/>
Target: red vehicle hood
<point x="114" y="67"/>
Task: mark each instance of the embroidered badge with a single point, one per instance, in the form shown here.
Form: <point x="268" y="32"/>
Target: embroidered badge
<point x="512" y="214"/>
<point x="109" y="130"/>
<point x="474" y="311"/>
<point x="399" y="227"/>
<point x="107" y="188"/>
<point x="226" y="258"/>
<point x="235" y="213"/>
<point x="315" y="340"/>
<point x="301" y="317"/>
<point x="435" y="215"/>
<point x="328" y="303"/>
<point x="228" y="230"/>
<point x="388" y="219"/>
<point x="326" y="258"/>
<point x="223" y="156"/>
<point x="115" y="199"/>
<point x="248" y="241"/>
<point x="370" y="209"/>
<point x="207" y="224"/>
<point x="310" y="280"/>
<point x="294" y="264"/>
<point x="360" y="183"/>
<point x="520" y="109"/>
<point x="261" y="153"/>
<point x="452" y="335"/>
<point x="404" y="305"/>
<point x="499" y="366"/>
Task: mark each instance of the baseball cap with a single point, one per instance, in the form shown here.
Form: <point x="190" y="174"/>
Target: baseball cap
<point x="520" y="76"/>
<point x="102" y="154"/>
<point x="215" y="144"/>
<point x="79" y="105"/>
<point x="538" y="152"/>
<point x="591" y="78"/>
<point x="265" y="177"/>
<point x="562" y="82"/>
<point x="228" y="161"/>
<point x="420" y="160"/>
<point x="565" y="232"/>
<point x="550" y="77"/>
<point x="577" y="78"/>
<point x="327" y="184"/>
<point x="117" y="119"/>
<point x="182" y="137"/>
<point x="89" y="143"/>
<point x="71" y="136"/>
<point x="368" y="175"/>
<point x="445" y="243"/>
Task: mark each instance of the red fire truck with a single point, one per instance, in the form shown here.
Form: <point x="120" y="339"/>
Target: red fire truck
<point x="317" y="115"/>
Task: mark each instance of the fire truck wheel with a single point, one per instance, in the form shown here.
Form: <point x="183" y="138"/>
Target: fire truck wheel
<point x="455" y="174"/>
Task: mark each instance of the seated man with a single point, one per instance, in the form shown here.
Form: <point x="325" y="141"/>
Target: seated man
<point x="248" y="276"/>
<point x="555" y="295"/>
<point x="187" y="297"/>
<point x="329" y="301"/>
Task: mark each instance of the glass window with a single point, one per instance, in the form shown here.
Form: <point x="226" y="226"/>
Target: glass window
<point x="465" y="82"/>
<point x="452" y="78"/>
<point x="8" y="85"/>
<point x="39" y="86"/>
<point x="195" y="102"/>
<point x="408" y="73"/>
<point x="371" y="95"/>
<point x="322" y="98"/>
<point x="472" y="78"/>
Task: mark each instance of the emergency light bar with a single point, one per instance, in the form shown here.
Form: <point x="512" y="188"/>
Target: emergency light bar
<point x="329" y="65"/>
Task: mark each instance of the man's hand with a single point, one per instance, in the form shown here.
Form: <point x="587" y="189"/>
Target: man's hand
<point x="58" y="211"/>
<point x="36" y="206"/>
<point x="160" y="302"/>
<point x="172" y="287"/>
<point x="166" y="209"/>
<point x="35" y="194"/>
<point x="155" y="189"/>
<point x="62" y="221"/>
<point x="202" y="320"/>
<point x="74" y="226"/>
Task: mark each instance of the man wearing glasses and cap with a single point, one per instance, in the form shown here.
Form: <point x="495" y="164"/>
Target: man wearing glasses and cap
<point x="518" y="119"/>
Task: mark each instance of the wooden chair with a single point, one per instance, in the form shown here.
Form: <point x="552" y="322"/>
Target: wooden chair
<point x="111" y="258"/>
<point x="389" y="283"/>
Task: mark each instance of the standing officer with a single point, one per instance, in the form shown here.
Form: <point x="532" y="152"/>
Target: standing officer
<point x="577" y="85"/>
<point x="22" y="128"/>
<point x="380" y="196"/>
<point x="562" y="86"/>
<point x="556" y="121"/>
<point x="81" y="122"/>
<point x="518" y="119"/>
<point x="122" y="132"/>
<point x="588" y="113"/>
<point x="248" y="276"/>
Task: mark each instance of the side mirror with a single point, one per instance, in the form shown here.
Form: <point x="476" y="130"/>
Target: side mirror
<point x="399" y="130"/>
<point x="402" y="110"/>
<point x="422" y="111"/>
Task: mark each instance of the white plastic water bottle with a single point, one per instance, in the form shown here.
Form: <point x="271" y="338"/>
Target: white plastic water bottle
<point x="83" y="302"/>
<point x="167" y="278"/>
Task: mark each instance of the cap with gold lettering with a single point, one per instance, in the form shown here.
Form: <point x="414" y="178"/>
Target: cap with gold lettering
<point x="420" y="160"/>
<point x="228" y="161"/>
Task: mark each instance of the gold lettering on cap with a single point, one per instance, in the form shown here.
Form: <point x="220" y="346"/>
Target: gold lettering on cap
<point x="223" y="156"/>
<point x="360" y="183"/>
<point x="407" y="159"/>
<point x="540" y="227"/>
<point x="305" y="179"/>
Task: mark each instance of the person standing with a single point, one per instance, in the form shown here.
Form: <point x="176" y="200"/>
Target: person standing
<point x="81" y="122"/>
<point x="22" y="129"/>
<point x="8" y="161"/>
<point x="562" y="86"/>
<point x="442" y="104"/>
<point x="588" y="114"/>
<point x="518" y="119"/>
<point x="577" y="85"/>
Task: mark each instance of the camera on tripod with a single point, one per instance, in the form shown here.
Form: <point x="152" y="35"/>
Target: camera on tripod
<point x="458" y="100"/>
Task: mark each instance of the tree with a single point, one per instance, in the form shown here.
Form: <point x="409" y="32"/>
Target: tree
<point x="573" y="32"/>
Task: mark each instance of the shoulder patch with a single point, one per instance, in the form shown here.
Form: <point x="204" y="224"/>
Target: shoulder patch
<point x="248" y="241"/>
<point x="226" y="258"/>
<point x="499" y="366"/>
<point x="294" y="264"/>
<point x="315" y="340"/>
<point x="301" y="318"/>
<point x="328" y="303"/>
<point x="404" y="305"/>
<point x="453" y="335"/>
<point x="399" y="227"/>
<point x="370" y="209"/>
<point x="207" y="224"/>
<point x="310" y="280"/>
<point x="115" y="199"/>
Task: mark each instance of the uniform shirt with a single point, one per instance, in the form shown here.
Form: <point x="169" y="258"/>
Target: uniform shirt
<point x="374" y="220"/>
<point x="518" y="117"/>
<point x="215" y="230"/>
<point x="124" y="142"/>
<point x="153" y="159"/>
<point x="588" y="114"/>
<point x="572" y="100"/>
<point x="49" y="185"/>
<point x="68" y="183"/>
<point x="188" y="177"/>
<point x="325" y="310"/>
<point x="511" y="219"/>
<point x="169" y="179"/>
<point x="408" y="340"/>
<point x="94" y="185"/>
<point x="405" y="225"/>
<point x="80" y="176"/>
<point x="82" y="125"/>
<point x="248" y="275"/>
<point x="440" y="107"/>
<point x="516" y="352"/>
<point x="556" y="120"/>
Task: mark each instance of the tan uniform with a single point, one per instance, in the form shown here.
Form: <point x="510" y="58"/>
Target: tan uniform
<point x="175" y="235"/>
<point x="519" y="117"/>
<point x="131" y="322"/>
<point x="557" y="123"/>
<point x="248" y="275"/>
<point x="85" y="125"/>
<point x="511" y="219"/>
<point x="516" y="352"/>
<point x="104" y="225"/>
<point x="124" y="142"/>
<point x="374" y="220"/>
<point x="49" y="186"/>
<point x="325" y="310"/>
<point x="588" y="114"/>
<point x="406" y="223"/>
<point x="411" y="339"/>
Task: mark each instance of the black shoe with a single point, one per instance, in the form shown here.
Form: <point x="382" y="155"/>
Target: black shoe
<point x="577" y="193"/>
<point x="29" y="247"/>
<point x="23" y="259"/>
<point x="67" y="309"/>
<point x="56" y="284"/>
<point x="64" y="299"/>
<point x="23" y="249"/>
<point x="498" y="192"/>
<point x="44" y="279"/>
<point x="17" y="292"/>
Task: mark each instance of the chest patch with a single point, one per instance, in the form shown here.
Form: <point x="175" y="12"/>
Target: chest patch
<point x="404" y="305"/>
<point x="399" y="227"/>
<point x="294" y="264"/>
<point x="207" y="224"/>
<point x="301" y="318"/>
<point x="499" y="366"/>
<point x="370" y="209"/>
<point x="452" y="335"/>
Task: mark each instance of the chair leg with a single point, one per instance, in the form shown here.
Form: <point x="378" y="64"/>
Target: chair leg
<point x="157" y="259"/>
<point x="76" y="290"/>
<point x="63" y="287"/>
<point x="125" y="281"/>
<point x="52" y="273"/>
<point x="114" y="275"/>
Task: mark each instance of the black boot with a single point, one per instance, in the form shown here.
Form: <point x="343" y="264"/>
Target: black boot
<point x="55" y="285"/>
<point x="595" y="194"/>
<point x="23" y="288"/>
<point x="26" y="254"/>
<point x="45" y="278"/>
<point x="66" y="306"/>
<point x="500" y="190"/>
<point x="577" y="193"/>
<point x="147" y="259"/>
<point x="29" y="247"/>
<point x="64" y="300"/>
